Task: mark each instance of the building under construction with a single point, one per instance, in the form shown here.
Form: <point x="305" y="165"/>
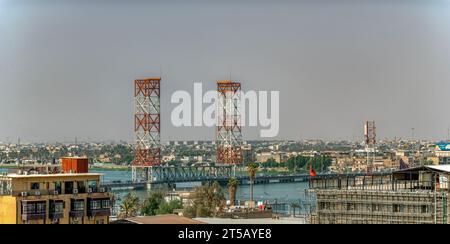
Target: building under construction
<point x="411" y="196"/>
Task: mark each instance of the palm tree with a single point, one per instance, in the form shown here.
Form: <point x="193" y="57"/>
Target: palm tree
<point x="295" y="205"/>
<point x="129" y="206"/>
<point x="251" y="171"/>
<point x="232" y="186"/>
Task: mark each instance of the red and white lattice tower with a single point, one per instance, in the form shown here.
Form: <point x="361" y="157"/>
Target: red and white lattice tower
<point x="147" y="128"/>
<point x="229" y="133"/>
<point x="370" y="142"/>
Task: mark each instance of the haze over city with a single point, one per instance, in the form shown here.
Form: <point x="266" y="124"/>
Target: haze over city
<point x="67" y="67"/>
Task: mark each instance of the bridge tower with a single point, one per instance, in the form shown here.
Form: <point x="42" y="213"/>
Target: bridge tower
<point x="370" y="143"/>
<point x="229" y="133"/>
<point x="147" y="128"/>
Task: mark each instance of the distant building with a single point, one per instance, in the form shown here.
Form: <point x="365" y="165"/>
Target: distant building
<point x="247" y="154"/>
<point x="265" y="156"/>
<point x="442" y="151"/>
<point x="53" y="199"/>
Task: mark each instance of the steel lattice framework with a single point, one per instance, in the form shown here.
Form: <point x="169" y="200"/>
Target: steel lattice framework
<point x="229" y="132"/>
<point x="168" y="174"/>
<point x="147" y="128"/>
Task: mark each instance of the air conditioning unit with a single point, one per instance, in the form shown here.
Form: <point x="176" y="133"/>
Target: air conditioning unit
<point x="37" y="193"/>
<point x="102" y="189"/>
<point x="24" y="194"/>
<point x="55" y="193"/>
<point x="75" y="191"/>
<point x="89" y="190"/>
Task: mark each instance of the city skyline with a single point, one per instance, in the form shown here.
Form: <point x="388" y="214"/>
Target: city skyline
<point x="67" y="68"/>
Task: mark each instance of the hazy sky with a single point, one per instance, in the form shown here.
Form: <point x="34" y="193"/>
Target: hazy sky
<point x="67" y="67"/>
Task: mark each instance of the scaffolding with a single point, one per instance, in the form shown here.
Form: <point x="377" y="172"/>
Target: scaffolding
<point x="397" y="198"/>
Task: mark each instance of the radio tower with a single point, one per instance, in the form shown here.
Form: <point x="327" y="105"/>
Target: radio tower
<point x="146" y="128"/>
<point x="370" y="141"/>
<point x="229" y="133"/>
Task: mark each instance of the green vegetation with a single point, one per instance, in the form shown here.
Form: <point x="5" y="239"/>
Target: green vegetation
<point x="301" y="163"/>
<point x="207" y="201"/>
<point x="130" y="206"/>
<point x="156" y="204"/>
<point x="232" y="187"/>
<point x="251" y="171"/>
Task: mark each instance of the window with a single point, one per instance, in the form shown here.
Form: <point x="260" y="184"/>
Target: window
<point x="78" y="206"/>
<point x="40" y="208"/>
<point x="424" y="209"/>
<point x="96" y="204"/>
<point x="68" y="187"/>
<point x="350" y="206"/>
<point x="57" y="207"/>
<point x="35" y="186"/>
<point x="375" y="207"/>
<point x="81" y="186"/>
<point x="92" y="184"/>
<point x="58" y="187"/>
<point x="28" y="208"/>
<point x="398" y="208"/>
<point x="322" y="206"/>
<point x="106" y="204"/>
<point x="5" y="187"/>
<point x="33" y="208"/>
<point x="100" y="221"/>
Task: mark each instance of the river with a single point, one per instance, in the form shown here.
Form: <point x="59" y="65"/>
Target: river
<point x="280" y="192"/>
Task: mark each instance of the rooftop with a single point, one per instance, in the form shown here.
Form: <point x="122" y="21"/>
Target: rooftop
<point x="161" y="219"/>
<point x="16" y="176"/>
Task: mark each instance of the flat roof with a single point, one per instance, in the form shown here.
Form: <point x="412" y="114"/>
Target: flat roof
<point x="163" y="219"/>
<point x="13" y="175"/>
<point x="444" y="168"/>
<point x="439" y="168"/>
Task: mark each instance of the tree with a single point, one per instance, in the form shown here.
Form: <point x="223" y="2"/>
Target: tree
<point x="152" y="203"/>
<point x="169" y="207"/>
<point x="207" y="201"/>
<point x="232" y="187"/>
<point x="130" y="206"/>
<point x="251" y="171"/>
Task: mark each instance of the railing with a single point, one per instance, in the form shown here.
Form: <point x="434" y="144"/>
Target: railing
<point x="56" y="192"/>
<point x="76" y="213"/>
<point x="34" y="216"/>
<point x="99" y="212"/>
<point x="373" y="183"/>
<point x="55" y="215"/>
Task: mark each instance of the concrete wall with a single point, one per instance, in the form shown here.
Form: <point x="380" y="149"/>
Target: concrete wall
<point x="8" y="210"/>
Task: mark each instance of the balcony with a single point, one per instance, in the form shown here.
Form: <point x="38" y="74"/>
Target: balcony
<point x="99" y="207"/>
<point x="76" y="213"/>
<point x="56" y="210"/>
<point x="56" y="215"/>
<point x="33" y="210"/>
<point x="34" y="216"/>
<point x="77" y="207"/>
<point x="99" y="212"/>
